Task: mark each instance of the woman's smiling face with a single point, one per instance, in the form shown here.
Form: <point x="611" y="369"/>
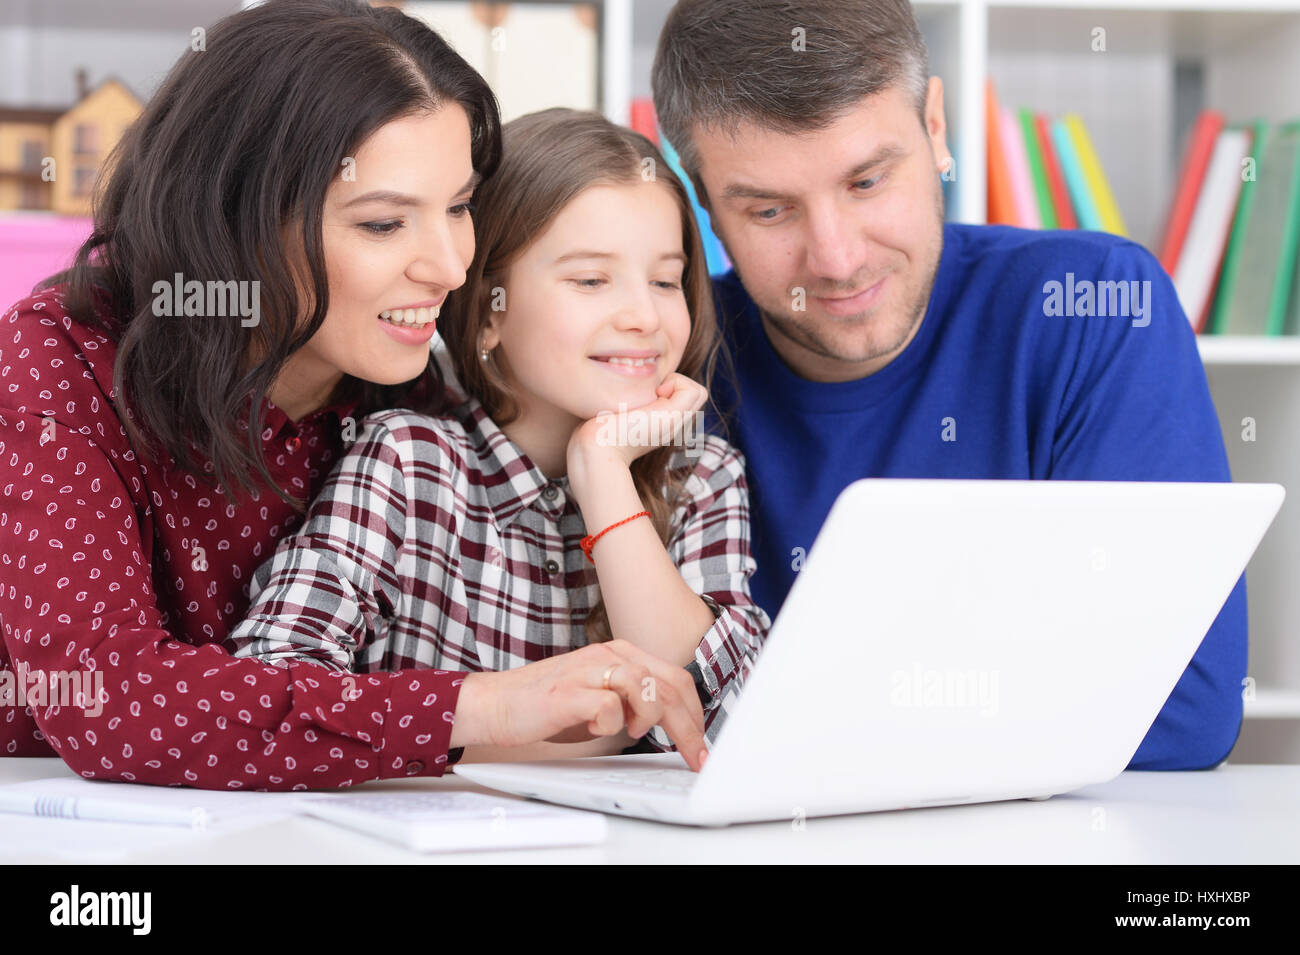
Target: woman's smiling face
<point x="397" y="238"/>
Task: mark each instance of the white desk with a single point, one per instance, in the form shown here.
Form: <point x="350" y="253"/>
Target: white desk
<point x="1235" y="814"/>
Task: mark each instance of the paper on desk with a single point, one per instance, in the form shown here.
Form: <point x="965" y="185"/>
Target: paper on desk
<point x="23" y="835"/>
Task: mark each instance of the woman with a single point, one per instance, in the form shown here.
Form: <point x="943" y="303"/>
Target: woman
<point x="158" y="441"/>
<point x="526" y="523"/>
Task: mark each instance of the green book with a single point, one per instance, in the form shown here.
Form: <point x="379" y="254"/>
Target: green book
<point x="1265" y="265"/>
<point x="1227" y="286"/>
<point x="1288" y="279"/>
<point x="1037" y="171"/>
<point x="1293" y="317"/>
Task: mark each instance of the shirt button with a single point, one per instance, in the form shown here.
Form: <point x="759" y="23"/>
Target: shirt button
<point x="551" y="492"/>
<point x="414" y="767"/>
<point x="552" y="567"/>
<point x="292" y="444"/>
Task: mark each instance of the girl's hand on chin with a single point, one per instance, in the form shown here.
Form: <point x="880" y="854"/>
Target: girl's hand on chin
<point x="624" y="436"/>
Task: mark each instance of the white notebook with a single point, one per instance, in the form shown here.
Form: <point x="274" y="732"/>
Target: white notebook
<point x="422" y="820"/>
<point x="457" y="821"/>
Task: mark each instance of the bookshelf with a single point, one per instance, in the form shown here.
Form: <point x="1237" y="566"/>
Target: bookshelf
<point x="1163" y="61"/>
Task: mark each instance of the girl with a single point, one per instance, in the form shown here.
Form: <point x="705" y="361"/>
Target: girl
<point x="152" y="457"/>
<point x="549" y="510"/>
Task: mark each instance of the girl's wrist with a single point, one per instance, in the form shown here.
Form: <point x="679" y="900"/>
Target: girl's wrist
<point x="593" y="470"/>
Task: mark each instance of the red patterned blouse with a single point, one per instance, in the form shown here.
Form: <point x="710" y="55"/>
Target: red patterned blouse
<point x="120" y="578"/>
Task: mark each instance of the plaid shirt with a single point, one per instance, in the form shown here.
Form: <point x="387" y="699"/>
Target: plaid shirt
<point x="437" y="543"/>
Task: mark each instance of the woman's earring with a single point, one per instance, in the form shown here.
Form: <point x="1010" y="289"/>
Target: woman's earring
<point x="484" y="355"/>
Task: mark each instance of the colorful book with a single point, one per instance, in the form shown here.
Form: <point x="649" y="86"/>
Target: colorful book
<point x="1001" y="205"/>
<point x="1094" y="175"/>
<point x="1037" y="170"/>
<point x="1226" y="285"/>
<point x="1072" y="169"/>
<point x="1292" y="325"/>
<point x="1064" y="209"/>
<point x="1255" y="294"/>
<point x="1207" y="236"/>
<point x="1022" y="187"/>
<point x="1191" y="175"/>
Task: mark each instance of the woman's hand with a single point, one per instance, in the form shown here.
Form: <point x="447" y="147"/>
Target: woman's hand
<point x="623" y="436"/>
<point x="600" y="746"/>
<point x="562" y="699"/>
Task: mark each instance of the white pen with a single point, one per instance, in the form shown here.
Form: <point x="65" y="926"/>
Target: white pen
<point x="101" y="810"/>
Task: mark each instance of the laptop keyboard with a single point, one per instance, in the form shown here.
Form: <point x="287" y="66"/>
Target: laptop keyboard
<point x="665" y="780"/>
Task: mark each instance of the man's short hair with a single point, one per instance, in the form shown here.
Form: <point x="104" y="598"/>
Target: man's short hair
<point x="787" y="65"/>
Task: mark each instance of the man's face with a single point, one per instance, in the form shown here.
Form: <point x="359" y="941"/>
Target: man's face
<point x="852" y="215"/>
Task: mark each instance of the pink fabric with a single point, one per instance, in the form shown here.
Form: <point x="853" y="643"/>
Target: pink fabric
<point x="34" y="246"/>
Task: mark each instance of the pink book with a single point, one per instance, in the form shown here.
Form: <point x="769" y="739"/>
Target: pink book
<point x="1022" y="186"/>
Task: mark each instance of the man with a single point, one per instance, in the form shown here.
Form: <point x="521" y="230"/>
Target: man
<point x="871" y="339"/>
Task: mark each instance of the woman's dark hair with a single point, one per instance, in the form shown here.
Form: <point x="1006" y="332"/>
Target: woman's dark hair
<point x="550" y="157"/>
<point x="223" y="177"/>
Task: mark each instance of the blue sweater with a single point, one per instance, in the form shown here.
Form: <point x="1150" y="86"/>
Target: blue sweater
<point x="1034" y="390"/>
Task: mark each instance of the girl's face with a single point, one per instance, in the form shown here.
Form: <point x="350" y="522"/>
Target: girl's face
<point x="397" y="238"/>
<point x="595" y="316"/>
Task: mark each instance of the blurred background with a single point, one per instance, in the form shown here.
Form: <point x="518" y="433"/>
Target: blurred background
<point x="1173" y="122"/>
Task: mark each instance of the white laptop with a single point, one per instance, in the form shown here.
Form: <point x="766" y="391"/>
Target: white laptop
<point x="947" y="642"/>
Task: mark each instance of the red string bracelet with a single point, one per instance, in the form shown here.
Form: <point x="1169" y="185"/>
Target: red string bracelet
<point x="589" y="541"/>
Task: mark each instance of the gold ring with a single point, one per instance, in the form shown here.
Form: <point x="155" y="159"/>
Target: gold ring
<point x="610" y="672"/>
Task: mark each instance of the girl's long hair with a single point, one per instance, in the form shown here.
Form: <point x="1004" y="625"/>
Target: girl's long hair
<point x="223" y="178"/>
<point x="549" y="157"/>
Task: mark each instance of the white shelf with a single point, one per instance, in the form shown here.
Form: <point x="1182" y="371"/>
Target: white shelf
<point x="1273" y="705"/>
<point x="1248" y="350"/>
<point x="1164" y="6"/>
<point x="616" y="26"/>
<point x="1183" y="33"/>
